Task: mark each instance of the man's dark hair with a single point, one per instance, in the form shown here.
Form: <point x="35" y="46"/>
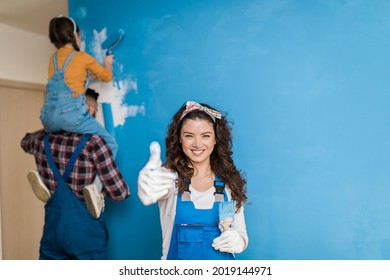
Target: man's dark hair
<point x="92" y="93"/>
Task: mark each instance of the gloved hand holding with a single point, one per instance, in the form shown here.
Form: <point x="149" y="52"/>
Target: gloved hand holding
<point x="155" y="181"/>
<point x="229" y="241"/>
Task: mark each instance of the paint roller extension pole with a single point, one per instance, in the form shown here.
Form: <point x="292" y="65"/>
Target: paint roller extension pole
<point x="108" y="118"/>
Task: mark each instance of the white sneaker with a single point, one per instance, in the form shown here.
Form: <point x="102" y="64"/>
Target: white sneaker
<point x="94" y="200"/>
<point x="38" y="187"/>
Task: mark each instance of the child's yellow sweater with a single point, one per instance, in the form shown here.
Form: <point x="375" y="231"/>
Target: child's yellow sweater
<point x="78" y="67"/>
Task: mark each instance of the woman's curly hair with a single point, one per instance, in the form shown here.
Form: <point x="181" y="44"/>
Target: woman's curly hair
<point x="221" y="158"/>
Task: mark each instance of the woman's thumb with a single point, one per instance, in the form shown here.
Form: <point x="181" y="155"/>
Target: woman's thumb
<point x="155" y="156"/>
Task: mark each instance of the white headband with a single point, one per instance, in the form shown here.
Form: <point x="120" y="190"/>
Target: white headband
<point x="74" y="23"/>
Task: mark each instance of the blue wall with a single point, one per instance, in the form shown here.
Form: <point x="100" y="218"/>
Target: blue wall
<point x="307" y="86"/>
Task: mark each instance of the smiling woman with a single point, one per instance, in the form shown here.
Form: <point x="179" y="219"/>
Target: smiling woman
<point x="199" y="176"/>
<point x="198" y="139"/>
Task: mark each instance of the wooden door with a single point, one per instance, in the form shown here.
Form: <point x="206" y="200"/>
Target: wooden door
<point x="21" y="214"/>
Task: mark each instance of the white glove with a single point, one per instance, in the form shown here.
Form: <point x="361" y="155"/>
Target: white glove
<point x="229" y="241"/>
<point x="155" y="181"/>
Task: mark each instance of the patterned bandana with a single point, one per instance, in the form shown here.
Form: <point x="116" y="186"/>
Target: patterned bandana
<point x="192" y="105"/>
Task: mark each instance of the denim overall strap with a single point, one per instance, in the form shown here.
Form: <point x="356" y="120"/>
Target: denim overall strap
<point x="65" y="64"/>
<point x="55" y="62"/>
<point x="88" y="80"/>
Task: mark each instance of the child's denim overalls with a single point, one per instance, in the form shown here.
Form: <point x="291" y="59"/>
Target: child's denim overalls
<point x="62" y="111"/>
<point x="70" y="232"/>
<point x="195" y="229"/>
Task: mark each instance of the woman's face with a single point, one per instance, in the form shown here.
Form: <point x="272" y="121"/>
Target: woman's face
<point x="197" y="139"/>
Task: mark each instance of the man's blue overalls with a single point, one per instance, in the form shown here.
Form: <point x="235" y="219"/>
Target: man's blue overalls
<point x="195" y="229"/>
<point x="70" y="232"/>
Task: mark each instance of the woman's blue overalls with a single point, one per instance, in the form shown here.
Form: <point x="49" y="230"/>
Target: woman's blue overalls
<point x="70" y="232"/>
<point x="62" y="111"/>
<point x="195" y="229"/>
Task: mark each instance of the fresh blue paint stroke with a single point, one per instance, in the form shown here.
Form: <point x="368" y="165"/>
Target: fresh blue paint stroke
<point x="306" y="84"/>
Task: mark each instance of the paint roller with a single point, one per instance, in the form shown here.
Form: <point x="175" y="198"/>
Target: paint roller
<point x="112" y="41"/>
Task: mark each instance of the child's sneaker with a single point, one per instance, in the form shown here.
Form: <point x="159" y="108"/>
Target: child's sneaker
<point x="94" y="200"/>
<point x="38" y="187"/>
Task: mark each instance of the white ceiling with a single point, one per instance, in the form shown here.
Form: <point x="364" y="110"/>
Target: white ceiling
<point x="31" y="15"/>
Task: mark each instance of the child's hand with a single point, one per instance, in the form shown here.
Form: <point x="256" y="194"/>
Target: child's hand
<point x="108" y="61"/>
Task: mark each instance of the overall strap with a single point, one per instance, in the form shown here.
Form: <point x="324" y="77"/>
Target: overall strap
<point x="219" y="187"/>
<point x="87" y="82"/>
<point x="75" y="155"/>
<point x="49" y="158"/>
<point x="55" y="62"/>
<point x="72" y="160"/>
<point x="185" y="196"/>
<point x="68" y="60"/>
